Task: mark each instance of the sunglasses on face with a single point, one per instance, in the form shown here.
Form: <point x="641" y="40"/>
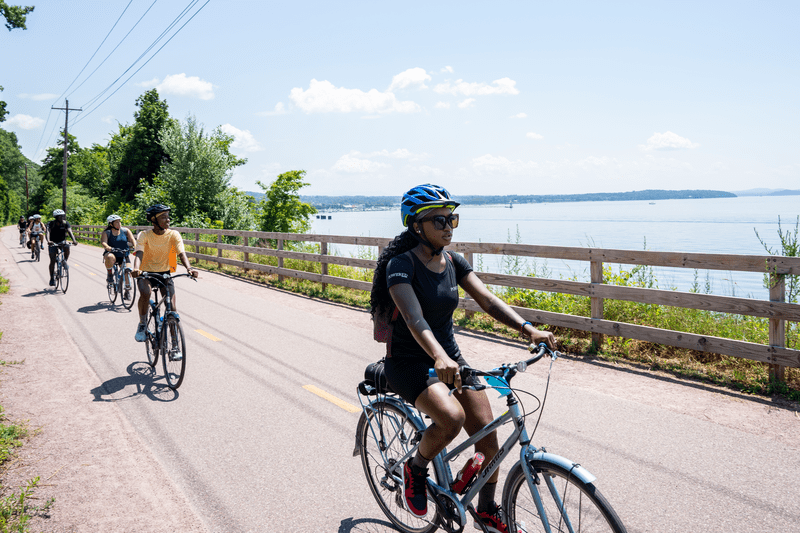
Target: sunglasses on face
<point x="441" y="221"/>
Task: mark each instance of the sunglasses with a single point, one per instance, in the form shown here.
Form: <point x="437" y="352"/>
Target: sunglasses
<point x="441" y="221"/>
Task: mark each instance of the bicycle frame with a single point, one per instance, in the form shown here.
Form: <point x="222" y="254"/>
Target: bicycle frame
<point x="441" y="463"/>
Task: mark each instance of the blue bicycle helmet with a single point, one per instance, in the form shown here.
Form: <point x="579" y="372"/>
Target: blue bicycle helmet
<point x="424" y="197"/>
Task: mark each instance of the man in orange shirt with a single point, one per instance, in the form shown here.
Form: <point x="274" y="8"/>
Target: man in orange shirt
<point x="154" y="250"/>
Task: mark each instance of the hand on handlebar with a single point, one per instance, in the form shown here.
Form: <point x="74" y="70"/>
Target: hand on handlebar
<point x="539" y="336"/>
<point x="448" y="372"/>
<point x="136" y="273"/>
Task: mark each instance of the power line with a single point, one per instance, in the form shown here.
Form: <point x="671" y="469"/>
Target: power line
<point x="161" y="36"/>
<point x="145" y="63"/>
<point x="114" y="50"/>
<point x="43" y="130"/>
<point x="95" y="53"/>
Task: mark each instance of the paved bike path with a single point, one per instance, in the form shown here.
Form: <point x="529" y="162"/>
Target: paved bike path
<point x="252" y="448"/>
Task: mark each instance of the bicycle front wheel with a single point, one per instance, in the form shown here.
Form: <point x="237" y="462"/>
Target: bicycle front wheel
<point x="394" y="432"/>
<point x="127" y="288"/>
<point x="112" y="289"/>
<point x="36" y="249"/>
<point x="151" y="343"/>
<point x="585" y="510"/>
<point x="173" y="352"/>
<point x="64" y="277"/>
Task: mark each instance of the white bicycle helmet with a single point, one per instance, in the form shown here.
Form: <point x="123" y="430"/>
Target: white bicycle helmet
<point x="112" y="218"/>
<point x="37" y="216"/>
<point x="58" y="212"/>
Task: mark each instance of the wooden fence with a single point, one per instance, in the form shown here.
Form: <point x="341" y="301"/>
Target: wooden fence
<point x="776" y="310"/>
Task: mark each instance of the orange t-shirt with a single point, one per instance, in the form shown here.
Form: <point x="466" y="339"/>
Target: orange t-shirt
<point x="160" y="252"/>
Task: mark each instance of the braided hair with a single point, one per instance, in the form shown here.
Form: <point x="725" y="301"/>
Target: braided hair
<point x="380" y="299"/>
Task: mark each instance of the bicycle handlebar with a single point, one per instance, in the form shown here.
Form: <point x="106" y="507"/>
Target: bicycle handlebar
<point x="119" y="251"/>
<point x="160" y="277"/>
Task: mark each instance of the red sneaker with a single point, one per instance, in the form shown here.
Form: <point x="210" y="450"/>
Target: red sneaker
<point x="414" y="482"/>
<point x="493" y="520"/>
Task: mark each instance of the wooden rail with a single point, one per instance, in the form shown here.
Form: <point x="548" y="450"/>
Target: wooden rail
<point x="776" y="310"/>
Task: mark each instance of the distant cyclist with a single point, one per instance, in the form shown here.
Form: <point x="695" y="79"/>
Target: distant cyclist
<point x="155" y="250"/>
<point x="36" y="233"/>
<point x="23" y="227"/>
<point x="57" y="231"/>
<point x="413" y="274"/>
<point x="113" y="238"/>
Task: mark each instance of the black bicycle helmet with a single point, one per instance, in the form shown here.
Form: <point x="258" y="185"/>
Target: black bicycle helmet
<point x="155" y="209"/>
<point x="424" y="197"/>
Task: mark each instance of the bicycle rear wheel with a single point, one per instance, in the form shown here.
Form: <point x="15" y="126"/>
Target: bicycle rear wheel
<point x="396" y="432"/>
<point x="64" y="268"/>
<point x="173" y="352"/>
<point x="112" y="287"/>
<point x="127" y="288"/>
<point x="585" y="509"/>
<point x="151" y="342"/>
<point x="36" y="249"/>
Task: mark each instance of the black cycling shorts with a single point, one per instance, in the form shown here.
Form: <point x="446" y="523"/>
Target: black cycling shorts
<point x="408" y="376"/>
<point x="144" y="284"/>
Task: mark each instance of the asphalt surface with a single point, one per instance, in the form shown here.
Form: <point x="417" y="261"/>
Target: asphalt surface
<point x="253" y="448"/>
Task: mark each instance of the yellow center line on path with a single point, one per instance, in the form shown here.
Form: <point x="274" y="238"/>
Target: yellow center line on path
<point x="333" y="399"/>
<point x="207" y="335"/>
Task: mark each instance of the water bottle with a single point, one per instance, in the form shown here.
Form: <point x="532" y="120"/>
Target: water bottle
<point x="464" y="478"/>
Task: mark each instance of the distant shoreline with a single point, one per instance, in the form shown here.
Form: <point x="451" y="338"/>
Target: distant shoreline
<point x="379" y="203"/>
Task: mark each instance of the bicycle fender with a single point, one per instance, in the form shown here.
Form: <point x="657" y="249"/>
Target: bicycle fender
<point x="577" y="470"/>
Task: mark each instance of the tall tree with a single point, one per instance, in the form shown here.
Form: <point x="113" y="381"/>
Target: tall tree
<point x="195" y="181"/>
<point x="3" y="111"/>
<point x="12" y="167"/>
<point x="135" y="153"/>
<point x="281" y="208"/>
<point x="15" y="15"/>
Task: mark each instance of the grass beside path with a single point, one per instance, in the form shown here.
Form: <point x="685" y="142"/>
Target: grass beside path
<point x="16" y="507"/>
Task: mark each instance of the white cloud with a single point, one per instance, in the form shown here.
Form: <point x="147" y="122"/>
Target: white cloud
<point x="108" y="119"/>
<point x="667" y="141"/>
<point x="425" y="170"/>
<point x="25" y="122"/>
<point x="519" y="115"/>
<point x="442" y="105"/>
<point x="324" y="97"/>
<point x="532" y="135"/>
<point x="43" y="96"/>
<point x="351" y="163"/>
<point x="469" y="102"/>
<point x="280" y="109"/>
<point x="182" y="85"/>
<point x="460" y="87"/>
<point x="243" y="139"/>
<point x="448" y="69"/>
<point x="412" y="76"/>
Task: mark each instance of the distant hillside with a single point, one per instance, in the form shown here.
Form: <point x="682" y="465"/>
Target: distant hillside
<point x="768" y="192"/>
<point x="337" y="203"/>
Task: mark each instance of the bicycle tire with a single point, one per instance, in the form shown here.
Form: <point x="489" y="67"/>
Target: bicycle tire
<point x="151" y="340"/>
<point x="64" y="277"/>
<point x="36" y="250"/>
<point x="388" y="490"/>
<point x="126" y="280"/>
<point x="586" y="509"/>
<point x="112" y="287"/>
<point x="173" y="352"/>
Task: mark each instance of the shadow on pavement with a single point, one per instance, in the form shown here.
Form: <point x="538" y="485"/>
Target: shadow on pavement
<point x="140" y="381"/>
<point x="371" y="525"/>
<point x="102" y="306"/>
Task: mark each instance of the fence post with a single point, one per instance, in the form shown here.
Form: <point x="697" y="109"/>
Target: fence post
<point x="280" y="259"/>
<point x="197" y="242"/>
<point x="219" y="250"/>
<point x="596" y="268"/>
<point x="246" y="254"/>
<point x="777" y="327"/>
<point x="470" y="259"/>
<point x="323" y="250"/>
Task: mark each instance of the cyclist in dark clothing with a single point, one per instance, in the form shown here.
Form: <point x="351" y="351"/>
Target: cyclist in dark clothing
<point x="57" y="231"/>
<point x="414" y="274"/>
<point x="23" y="226"/>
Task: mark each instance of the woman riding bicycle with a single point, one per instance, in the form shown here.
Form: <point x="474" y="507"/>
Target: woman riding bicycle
<point x="114" y="238"/>
<point x="414" y="274"/>
<point x="155" y="250"/>
<point x="36" y="233"/>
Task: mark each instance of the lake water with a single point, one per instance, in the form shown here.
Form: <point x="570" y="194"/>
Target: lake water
<point x="713" y="225"/>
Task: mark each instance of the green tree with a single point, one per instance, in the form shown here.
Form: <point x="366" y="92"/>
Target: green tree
<point x="15" y="15"/>
<point x="135" y="152"/>
<point x="52" y="170"/>
<point x="12" y="168"/>
<point x="281" y="209"/>
<point x="82" y="207"/>
<point x="195" y="181"/>
<point x="3" y="111"/>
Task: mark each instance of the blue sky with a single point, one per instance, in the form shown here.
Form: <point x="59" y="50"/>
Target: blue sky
<point x="483" y="98"/>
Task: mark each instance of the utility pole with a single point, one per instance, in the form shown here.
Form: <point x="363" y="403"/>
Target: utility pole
<point x="64" y="177"/>
<point x="26" y="186"/>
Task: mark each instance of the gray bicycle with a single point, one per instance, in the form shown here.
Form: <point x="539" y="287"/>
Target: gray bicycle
<point x="543" y="491"/>
<point x="164" y="334"/>
<point x="122" y="283"/>
<point x="61" y="268"/>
